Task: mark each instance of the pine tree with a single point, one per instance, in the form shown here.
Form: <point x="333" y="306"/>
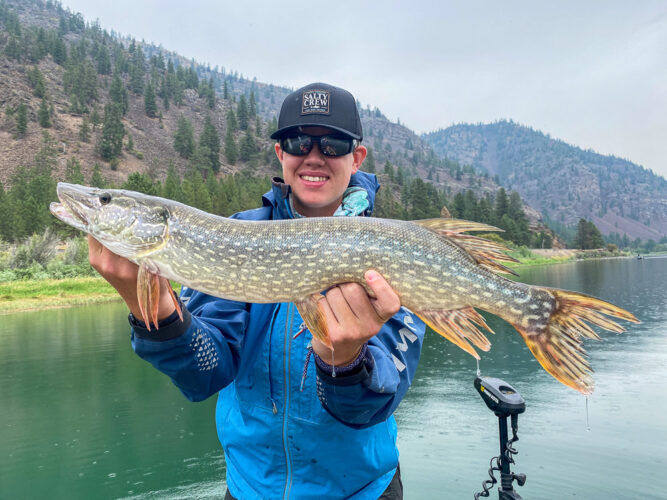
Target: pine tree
<point x="252" y="105"/>
<point x="73" y="173"/>
<point x="103" y="61"/>
<point x="150" y="106"/>
<point x="44" y="114"/>
<point x="37" y="82"/>
<point x="501" y="205"/>
<point x="138" y="181"/>
<point x="248" y="148"/>
<point x="231" y="151"/>
<point x="243" y="114"/>
<point x="211" y="140"/>
<point x="225" y="91"/>
<point x="184" y="142"/>
<point x="118" y="93"/>
<point x="369" y="163"/>
<point x="84" y="130"/>
<point x="231" y="120"/>
<point x="96" y="178"/>
<point x="113" y="131"/>
<point x="21" y="120"/>
<point x="172" y="184"/>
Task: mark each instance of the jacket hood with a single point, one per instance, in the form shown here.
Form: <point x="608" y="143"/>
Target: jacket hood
<point x="277" y="197"/>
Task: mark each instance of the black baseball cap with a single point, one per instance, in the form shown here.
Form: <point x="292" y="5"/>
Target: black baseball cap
<point x="320" y="105"/>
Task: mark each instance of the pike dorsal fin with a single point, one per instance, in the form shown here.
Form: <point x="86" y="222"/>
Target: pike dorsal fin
<point x="441" y="225"/>
<point x="488" y="254"/>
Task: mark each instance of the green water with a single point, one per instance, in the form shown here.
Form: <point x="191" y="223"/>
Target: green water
<point x="82" y="417"/>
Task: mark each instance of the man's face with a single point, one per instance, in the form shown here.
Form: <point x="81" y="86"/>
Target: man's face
<point x="317" y="181"/>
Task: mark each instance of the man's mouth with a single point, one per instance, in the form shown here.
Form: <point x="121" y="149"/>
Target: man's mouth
<point x="314" y="178"/>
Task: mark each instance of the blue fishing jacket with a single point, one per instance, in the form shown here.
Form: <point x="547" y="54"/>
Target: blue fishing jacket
<point x="289" y="428"/>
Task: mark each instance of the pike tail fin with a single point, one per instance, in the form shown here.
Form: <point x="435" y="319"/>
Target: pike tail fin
<point x="558" y="346"/>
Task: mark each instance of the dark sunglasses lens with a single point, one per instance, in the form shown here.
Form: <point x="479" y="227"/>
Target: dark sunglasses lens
<point x="299" y="145"/>
<point x="332" y="145"/>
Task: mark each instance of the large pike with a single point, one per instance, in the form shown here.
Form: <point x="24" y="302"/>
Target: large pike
<point x="438" y="272"/>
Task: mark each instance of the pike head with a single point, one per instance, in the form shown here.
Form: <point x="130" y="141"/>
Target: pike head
<point x="128" y="223"/>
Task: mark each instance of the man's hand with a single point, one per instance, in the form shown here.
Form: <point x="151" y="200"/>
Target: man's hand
<point x="353" y="317"/>
<point x="122" y="275"/>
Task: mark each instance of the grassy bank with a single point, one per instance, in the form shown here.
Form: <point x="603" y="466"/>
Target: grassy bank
<point x="30" y="295"/>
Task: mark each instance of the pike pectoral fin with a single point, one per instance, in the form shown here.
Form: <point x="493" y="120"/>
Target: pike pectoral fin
<point x="557" y="345"/>
<point x="459" y="326"/>
<point x="314" y="318"/>
<point x="148" y="295"/>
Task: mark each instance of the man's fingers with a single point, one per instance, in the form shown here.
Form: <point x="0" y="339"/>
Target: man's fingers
<point x="386" y="302"/>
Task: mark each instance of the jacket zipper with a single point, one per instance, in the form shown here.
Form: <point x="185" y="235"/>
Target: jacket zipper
<point x="286" y="367"/>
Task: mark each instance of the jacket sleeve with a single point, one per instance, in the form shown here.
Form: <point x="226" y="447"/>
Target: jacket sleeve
<point x="202" y="353"/>
<point x="368" y="392"/>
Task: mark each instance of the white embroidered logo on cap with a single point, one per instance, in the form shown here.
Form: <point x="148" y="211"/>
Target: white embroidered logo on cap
<point x="315" y="101"/>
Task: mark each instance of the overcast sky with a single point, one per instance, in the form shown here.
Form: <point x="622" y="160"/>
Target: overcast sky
<point x="591" y="73"/>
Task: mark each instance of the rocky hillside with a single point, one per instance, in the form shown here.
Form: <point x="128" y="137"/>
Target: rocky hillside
<point x="564" y="182"/>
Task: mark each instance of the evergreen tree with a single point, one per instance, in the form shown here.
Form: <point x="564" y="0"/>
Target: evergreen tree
<point x="21" y="120"/>
<point x="248" y="148"/>
<point x="184" y="142"/>
<point x="150" y="106"/>
<point x="252" y="105"/>
<point x="138" y="181"/>
<point x="137" y="71"/>
<point x="231" y="151"/>
<point x="118" y="93"/>
<point x="103" y="61"/>
<point x="243" y="114"/>
<point x="96" y="178"/>
<point x="113" y="131"/>
<point x="211" y="140"/>
<point x="73" y="173"/>
<point x="172" y="184"/>
<point x="6" y="221"/>
<point x="501" y="204"/>
<point x="37" y="82"/>
<point x="84" y="130"/>
<point x="232" y="124"/>
<point x="225" y="91"/>
<point x="389" y="170"/>
<point x="44" y="114"/>
<point x="588" y="236"/>
<point x="369" y="163"/>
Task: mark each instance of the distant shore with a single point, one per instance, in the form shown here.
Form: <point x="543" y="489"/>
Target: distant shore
<point x="37" y="295"/>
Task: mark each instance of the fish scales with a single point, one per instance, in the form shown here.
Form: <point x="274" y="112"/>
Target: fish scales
<point x="438" y="272"/>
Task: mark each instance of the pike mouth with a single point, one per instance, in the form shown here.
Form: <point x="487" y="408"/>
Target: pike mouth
<point x="68" y="212"/>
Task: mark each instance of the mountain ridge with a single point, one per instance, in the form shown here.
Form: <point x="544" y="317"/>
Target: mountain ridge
<point x="564" y="182"/>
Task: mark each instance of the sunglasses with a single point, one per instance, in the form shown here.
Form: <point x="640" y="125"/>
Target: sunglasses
<point x="330" y="145"/>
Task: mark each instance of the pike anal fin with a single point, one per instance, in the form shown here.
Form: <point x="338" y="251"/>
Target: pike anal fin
<point x="148" y="295"/>
<point x="314" y="318"/>
<point x="459" y="326"/>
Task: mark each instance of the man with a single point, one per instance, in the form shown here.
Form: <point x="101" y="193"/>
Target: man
<point x="290" y="428"/>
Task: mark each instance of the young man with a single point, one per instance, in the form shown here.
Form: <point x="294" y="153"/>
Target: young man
<point x="291" y="428"/>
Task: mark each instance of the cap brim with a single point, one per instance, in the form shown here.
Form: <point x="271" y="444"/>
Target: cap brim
<point x="281" y="132"/>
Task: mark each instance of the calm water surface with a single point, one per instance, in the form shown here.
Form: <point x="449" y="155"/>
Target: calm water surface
<point x="81" y="416"/>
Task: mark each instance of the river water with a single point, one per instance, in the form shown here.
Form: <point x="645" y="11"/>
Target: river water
<point x="82" y="417"/>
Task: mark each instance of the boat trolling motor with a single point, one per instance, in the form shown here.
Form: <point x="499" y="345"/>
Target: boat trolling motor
<point x="503" y="400"/>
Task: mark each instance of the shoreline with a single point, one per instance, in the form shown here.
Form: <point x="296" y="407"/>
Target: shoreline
<point x="37" y="295"/>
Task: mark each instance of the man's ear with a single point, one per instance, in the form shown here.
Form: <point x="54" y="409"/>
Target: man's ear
<point x="279" y="152"/>
<point x="358" y="155"/>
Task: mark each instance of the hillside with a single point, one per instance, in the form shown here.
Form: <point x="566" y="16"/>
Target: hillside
<point x="564" y="182"/>
<point x="118" y="106"/>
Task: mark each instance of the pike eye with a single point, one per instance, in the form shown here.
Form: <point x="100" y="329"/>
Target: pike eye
<point x="105" y="198"/>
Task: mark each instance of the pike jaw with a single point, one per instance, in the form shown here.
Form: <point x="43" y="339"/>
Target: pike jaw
<point x="129" y="224"/>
